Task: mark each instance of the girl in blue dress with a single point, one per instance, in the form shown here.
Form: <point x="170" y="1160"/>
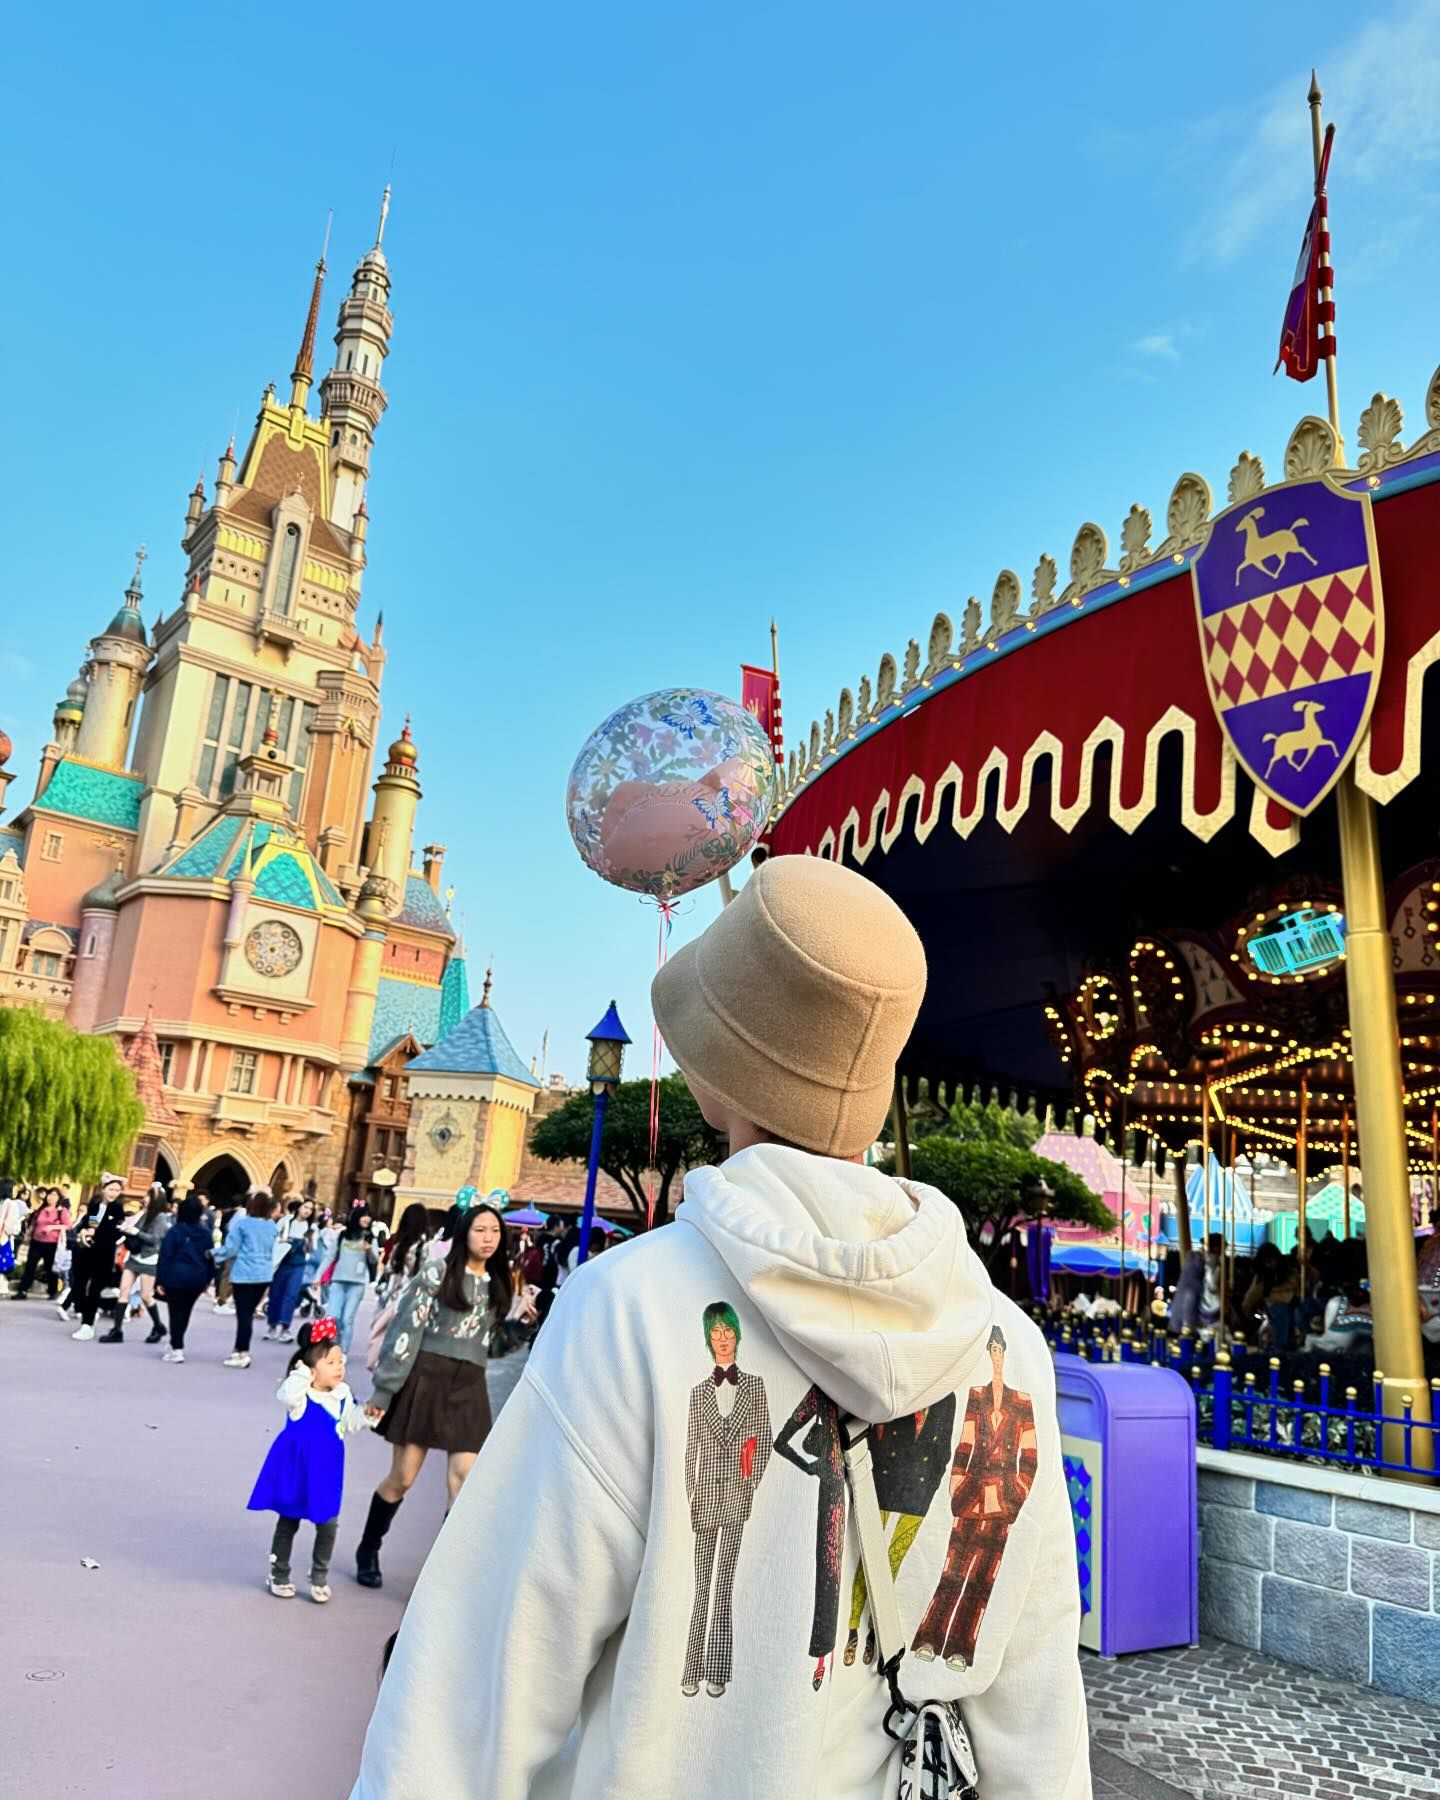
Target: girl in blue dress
<point x="304" y="1472"/>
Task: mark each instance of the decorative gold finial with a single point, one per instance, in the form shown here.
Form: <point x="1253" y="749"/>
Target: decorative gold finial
<point x="142" y="556"/>
<point x="489" y="983"/>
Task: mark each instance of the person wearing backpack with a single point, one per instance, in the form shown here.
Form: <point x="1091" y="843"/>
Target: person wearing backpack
<point x="667" y="1611"/>
<point x="184" y="1271"/>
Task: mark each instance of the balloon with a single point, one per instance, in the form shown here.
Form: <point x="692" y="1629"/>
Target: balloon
<point x="671" y="791"/>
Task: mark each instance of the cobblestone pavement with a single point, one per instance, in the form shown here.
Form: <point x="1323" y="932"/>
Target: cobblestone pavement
<point x="1220" y="1723"/>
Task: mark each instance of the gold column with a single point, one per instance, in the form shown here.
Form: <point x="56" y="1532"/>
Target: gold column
<point x="1302" y="1175"/>
<point x="1345" y="1163"/>
<point x="1380" y="1122"/>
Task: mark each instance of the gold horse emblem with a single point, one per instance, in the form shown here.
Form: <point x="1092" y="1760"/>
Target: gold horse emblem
<point x="1261" y="547"/>
<point x="1298" y="746"/>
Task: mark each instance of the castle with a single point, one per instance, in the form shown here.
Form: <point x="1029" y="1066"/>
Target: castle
<point x="195" y="873"/>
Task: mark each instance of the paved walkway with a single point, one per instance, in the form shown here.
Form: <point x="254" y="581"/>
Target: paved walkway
<point x="145" y="1468"/>
<point x="1219" y="1723"/>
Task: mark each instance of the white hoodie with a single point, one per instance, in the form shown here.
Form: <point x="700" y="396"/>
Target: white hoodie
<point x="569" y="1637"/>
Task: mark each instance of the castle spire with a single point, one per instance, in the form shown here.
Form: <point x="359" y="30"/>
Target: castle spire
<point x="384" y="214"/>
<point x="304" y="371"/>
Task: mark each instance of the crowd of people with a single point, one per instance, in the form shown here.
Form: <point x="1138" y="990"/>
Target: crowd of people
<point x="448" y="1299"/>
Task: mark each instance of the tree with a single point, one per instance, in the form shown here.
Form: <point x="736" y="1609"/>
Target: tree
<point x="982" y="1160"/>
<point x="685" y="1140"/>
<point x="68" y="1104"/>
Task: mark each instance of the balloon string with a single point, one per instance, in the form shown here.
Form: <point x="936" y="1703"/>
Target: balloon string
<point x="657" y="1048"/>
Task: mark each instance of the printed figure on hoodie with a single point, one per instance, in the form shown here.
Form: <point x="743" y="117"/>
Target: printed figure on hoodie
<point x="641" y="1531"/>
<point x="910" y="1456"/>
<point x="990" y="1480"/>
<point x="826" y="1463"/>
<point x="727" y="1446"/>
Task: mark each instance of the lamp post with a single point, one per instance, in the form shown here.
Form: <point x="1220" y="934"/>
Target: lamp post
<point x="607" y="1053"/>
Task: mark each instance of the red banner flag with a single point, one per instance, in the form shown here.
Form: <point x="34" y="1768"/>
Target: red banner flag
<point x="1310" y="304"/>
<point x="760" y="695"/>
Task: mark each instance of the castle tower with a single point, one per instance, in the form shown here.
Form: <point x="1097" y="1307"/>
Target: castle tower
<point x="119" y="657"/>
<point x="271" y="599"/>
<point x="351" y="394"/>
<point x="391" y="837"/>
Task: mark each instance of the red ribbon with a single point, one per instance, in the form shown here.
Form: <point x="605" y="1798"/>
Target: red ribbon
<point x="657" y="1050"/>
<point x="323" y="1331"/>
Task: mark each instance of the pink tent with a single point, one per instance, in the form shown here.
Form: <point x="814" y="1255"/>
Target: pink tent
<point x="1104" y="1174"/>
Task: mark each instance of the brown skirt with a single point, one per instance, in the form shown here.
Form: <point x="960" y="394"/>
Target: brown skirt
<point x="444" y="1405"/>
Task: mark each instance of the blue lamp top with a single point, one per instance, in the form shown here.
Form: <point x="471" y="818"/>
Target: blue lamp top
<point x="609" y="1030"/>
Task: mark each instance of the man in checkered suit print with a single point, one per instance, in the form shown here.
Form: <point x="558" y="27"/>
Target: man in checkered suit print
<point x="727" y="1447"/>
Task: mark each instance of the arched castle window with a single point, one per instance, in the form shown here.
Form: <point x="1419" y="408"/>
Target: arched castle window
<point x="289" y="568"/>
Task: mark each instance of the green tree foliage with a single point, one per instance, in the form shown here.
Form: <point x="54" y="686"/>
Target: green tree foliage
<point x="981" y="1158"/>
<point x="67" y="1101"/>
<point x="686" y="1141"/>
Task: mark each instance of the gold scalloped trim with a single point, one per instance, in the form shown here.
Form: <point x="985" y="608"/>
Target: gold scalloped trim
<point x="1265" y="834"/>
<point x="1203" y="825"/>
<point x="1385" y="787"/>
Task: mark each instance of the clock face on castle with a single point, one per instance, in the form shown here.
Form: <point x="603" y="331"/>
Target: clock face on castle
<point x="273" y="948"/>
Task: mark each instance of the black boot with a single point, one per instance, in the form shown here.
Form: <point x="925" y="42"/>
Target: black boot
<point x="157" y="1330"/>
<point x="367" y="1553"/>
<point x="115" y="1335"/>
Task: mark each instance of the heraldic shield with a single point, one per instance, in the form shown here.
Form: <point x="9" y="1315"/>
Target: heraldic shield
<point x="1287" y="588"/>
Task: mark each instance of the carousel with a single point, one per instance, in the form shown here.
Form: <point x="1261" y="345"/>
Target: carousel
<point x="1163" y="830"/>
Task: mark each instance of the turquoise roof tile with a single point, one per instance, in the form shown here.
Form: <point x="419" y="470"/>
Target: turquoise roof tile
<point x="204" y="855"/>
<point x="454" y="995"/>
<point x="477" y="1046"/>
<point x="422" y="907"/>
<point x="283" y="879"/>
<point x="402" y="1006"/>
<point x="103" y="796"/>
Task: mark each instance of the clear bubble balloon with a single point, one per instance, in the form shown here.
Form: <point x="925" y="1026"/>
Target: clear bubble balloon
<point x="671" y="791"/>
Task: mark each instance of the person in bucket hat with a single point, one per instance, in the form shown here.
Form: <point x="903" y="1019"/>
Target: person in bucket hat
<point x="646" y="1597"/>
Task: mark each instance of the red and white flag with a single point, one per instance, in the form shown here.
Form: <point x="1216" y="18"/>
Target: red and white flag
<point x="1311" y="305"/>
<point x="760" y="695"/>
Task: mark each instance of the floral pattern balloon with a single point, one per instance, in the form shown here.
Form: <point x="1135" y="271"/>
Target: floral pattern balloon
<point x="671" y="791"/>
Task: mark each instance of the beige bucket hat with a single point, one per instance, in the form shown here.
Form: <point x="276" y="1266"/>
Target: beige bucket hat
<point x="795" y="1004"/>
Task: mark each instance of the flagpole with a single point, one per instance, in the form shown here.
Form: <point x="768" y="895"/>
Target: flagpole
<point x="1332" y="387"/>
<point x="1378" y="1079"/>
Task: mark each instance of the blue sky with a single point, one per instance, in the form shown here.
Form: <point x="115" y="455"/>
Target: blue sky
<point x="827" y="311"/>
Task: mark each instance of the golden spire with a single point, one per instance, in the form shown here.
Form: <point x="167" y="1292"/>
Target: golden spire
<point x="303" y="372"/>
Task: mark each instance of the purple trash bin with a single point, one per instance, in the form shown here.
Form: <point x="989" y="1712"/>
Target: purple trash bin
<point x="1128" y="1438"/>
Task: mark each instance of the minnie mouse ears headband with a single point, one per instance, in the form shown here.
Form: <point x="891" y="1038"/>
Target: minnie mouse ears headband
<point x="323" y="1332"/>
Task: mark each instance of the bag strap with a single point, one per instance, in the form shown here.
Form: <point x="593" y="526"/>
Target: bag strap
<point x="874" y="1559"/>
<point x="937" y="1757"/>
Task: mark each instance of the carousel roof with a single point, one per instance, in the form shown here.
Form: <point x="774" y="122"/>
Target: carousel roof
<point x="982" y="782"/>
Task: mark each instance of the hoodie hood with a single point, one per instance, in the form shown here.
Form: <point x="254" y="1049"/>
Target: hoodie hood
<point x="868" y="1282"/>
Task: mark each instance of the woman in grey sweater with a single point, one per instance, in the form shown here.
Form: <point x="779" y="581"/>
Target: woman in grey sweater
<point x="430" y="1391"/>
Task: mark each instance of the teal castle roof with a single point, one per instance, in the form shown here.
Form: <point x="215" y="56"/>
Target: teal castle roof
<point x="402" y="1006"/>
<point x="82" y="790"/>
<point x="477" y="1046"/>
<point x="454" y="994"/>
<point x="280" y="862"/>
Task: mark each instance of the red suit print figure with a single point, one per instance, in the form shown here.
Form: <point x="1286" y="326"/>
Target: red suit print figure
<point x="820" y="1454"/>
<point x="990" y="1478"/>
<point x="727" y="1448"/>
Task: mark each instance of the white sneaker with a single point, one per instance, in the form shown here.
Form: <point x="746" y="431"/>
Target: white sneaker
<point x="271" y="1336"/>
<point x="84" y="1334"/>
<point x="224" y="1306"/>
<point x="282" y="1590"/>
<point x="62" y="1313"/>
<point x="285" y="1335"/>
<point x="240" y="1359"/>
<point x="173" y="1356"/>
<point x="319" y="1594"/>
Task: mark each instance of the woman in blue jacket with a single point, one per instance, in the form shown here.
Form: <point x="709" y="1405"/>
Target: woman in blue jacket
<point x="249" y="1253"/>
<point x="185" y="1270"/>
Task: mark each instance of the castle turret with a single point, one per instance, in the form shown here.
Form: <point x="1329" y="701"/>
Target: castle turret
<point x="351" y="394"/>
<point x="119" y="657"/>
<point x="388" y="847"/>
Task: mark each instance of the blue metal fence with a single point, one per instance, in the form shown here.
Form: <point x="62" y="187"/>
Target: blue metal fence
<point x="1241" y="1402"/>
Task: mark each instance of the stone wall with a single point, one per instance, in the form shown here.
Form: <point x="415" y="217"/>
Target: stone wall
<point x="1317" y="1575"/>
